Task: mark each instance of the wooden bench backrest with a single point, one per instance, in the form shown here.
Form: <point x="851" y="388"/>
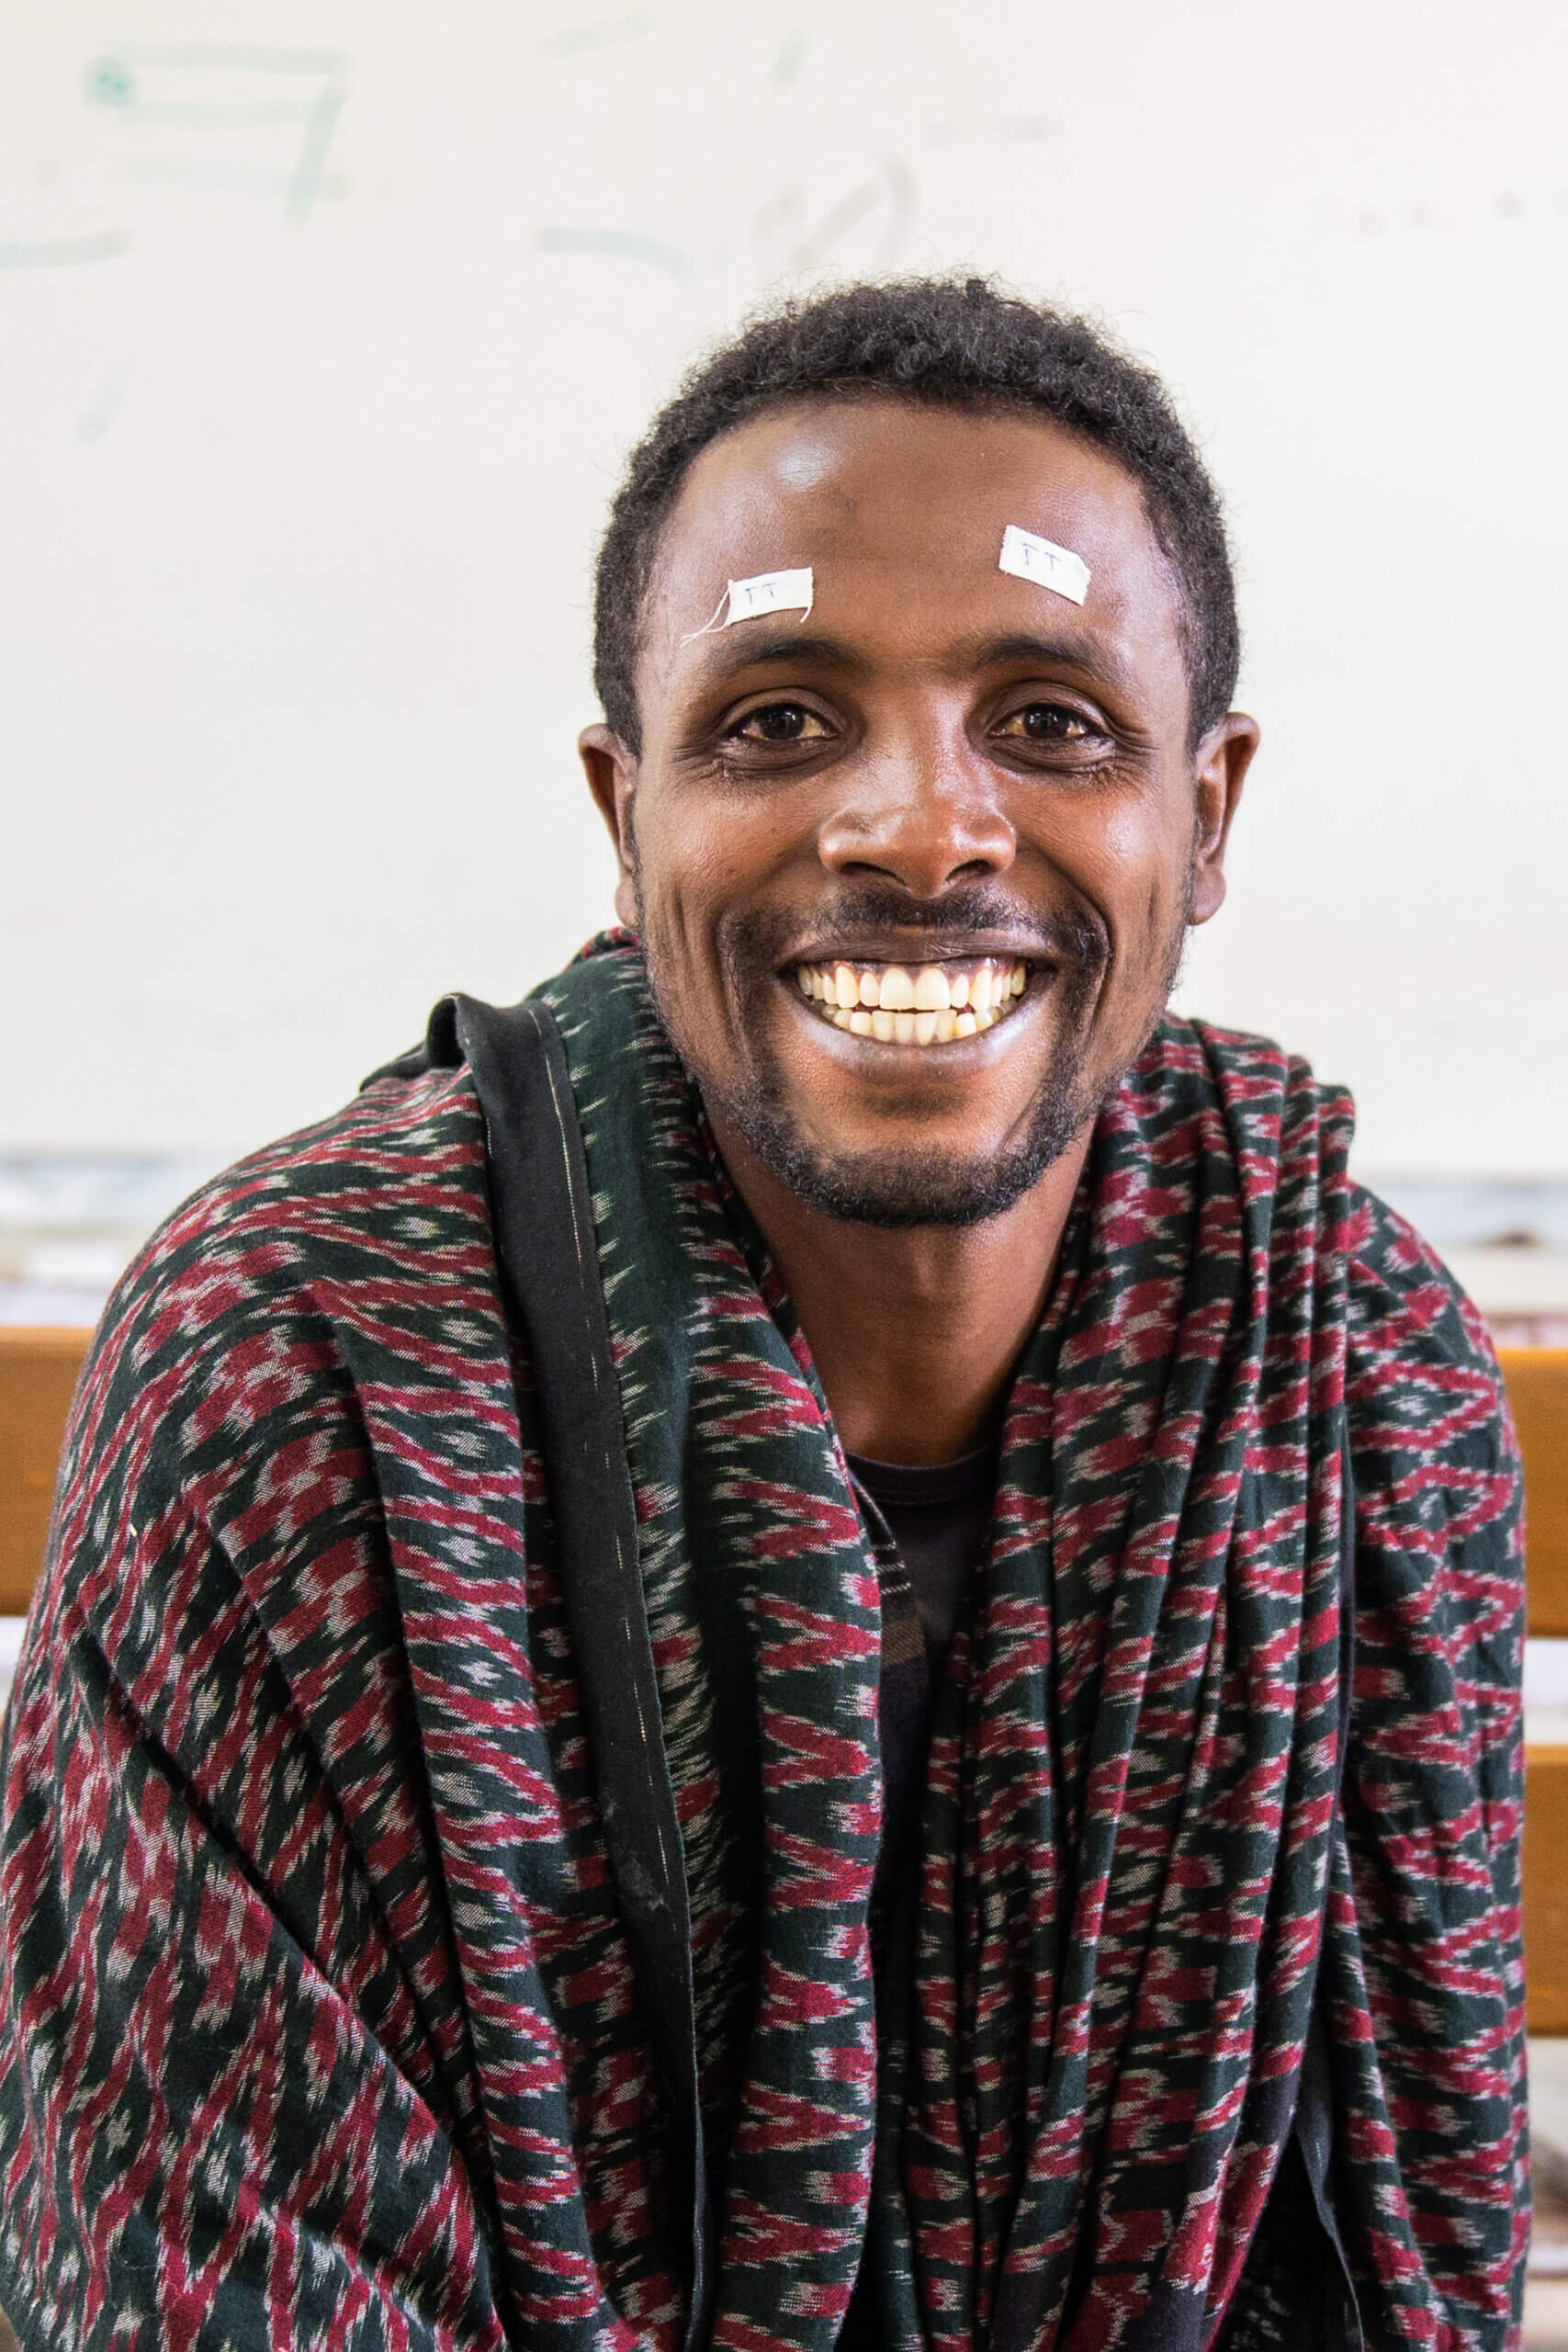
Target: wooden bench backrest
<point x="38" y="1368"/>
<point x="37" y="1372"/>
<point x="1538" y="1393"/>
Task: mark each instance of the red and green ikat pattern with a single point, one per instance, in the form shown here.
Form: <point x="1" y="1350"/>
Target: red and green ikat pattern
<point x="316" y="2020"/>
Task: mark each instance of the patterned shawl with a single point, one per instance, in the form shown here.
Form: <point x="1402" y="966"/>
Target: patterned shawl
<point x="319" y="2020"/>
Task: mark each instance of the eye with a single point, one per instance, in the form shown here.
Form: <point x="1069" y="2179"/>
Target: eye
<point x="1047" y="722"/>
<point x="780" y="722"/>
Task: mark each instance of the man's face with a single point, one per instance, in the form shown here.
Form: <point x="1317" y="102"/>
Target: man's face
<point x="912" y="874"/>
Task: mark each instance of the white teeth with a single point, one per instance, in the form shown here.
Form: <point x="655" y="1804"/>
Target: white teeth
<point x="924" y="1007"/>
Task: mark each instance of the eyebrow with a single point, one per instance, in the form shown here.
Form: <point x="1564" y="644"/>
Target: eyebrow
<point x="991" y="651"/>
<point x="1091" y="656"/>
<point x="793" y="644"/>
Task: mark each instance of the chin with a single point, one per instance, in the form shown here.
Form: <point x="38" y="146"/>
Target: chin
<point x="901" y="1185"/>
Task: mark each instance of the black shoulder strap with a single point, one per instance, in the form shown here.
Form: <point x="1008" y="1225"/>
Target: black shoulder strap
<point x="549" y="1260"/>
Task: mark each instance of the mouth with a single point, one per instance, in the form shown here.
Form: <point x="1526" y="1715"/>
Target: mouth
<point x="925" y="1005"/>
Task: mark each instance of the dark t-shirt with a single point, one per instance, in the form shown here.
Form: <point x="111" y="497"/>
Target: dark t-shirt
<point x="939" y="1518"/>
<point x="930" y="1527"/>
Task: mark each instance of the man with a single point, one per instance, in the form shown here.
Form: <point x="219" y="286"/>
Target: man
<point x="818" y="1640"/>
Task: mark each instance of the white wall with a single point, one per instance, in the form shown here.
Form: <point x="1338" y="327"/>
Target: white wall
<point x="316" y="371"/>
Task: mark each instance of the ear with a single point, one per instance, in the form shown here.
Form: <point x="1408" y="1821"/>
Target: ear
<point x="1224" y="757"/>
<point x="611" y="779"/>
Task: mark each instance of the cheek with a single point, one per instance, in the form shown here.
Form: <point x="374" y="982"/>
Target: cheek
<point x="1128" y="855"/>
<point x="1144" y="837"/>
<point x="704" y="857"/>
<point x="687" y="881"/>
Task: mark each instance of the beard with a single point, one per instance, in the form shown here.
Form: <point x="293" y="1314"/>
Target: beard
<point x="909" y="1186"/>
<point x="904" y="1187"/>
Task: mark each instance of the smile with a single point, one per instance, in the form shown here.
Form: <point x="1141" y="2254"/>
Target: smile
<point x="928" y="1004"/>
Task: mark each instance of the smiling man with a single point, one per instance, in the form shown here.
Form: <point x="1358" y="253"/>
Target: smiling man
<point x="818" y="1640"/>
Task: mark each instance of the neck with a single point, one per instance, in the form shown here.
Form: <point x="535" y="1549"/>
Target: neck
<point x="914" y="1332"/>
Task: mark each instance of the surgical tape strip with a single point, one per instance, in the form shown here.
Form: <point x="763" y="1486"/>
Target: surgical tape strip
<point x="748" y="600"/>
<point x="1029" y="557"/>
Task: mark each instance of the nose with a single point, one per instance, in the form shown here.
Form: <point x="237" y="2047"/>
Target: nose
<point x="921" y="816"/>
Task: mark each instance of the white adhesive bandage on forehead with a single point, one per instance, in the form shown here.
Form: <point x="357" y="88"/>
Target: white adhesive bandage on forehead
<point x="1029" y="557"/>
<point x="748" y="600"/>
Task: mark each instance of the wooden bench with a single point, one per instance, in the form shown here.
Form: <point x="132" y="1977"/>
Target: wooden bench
<point x="1537" y="1392"/>
<point x="37" y="1371"/>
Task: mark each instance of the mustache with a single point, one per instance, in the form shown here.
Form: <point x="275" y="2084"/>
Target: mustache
<point x="1074" y="939"/>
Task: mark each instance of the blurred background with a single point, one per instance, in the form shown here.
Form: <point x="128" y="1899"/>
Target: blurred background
<point x="326" y="328"/>
<point x="324" y="332"/>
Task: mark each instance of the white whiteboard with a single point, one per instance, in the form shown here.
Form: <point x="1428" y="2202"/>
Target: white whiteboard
<point x="323" y="330"/>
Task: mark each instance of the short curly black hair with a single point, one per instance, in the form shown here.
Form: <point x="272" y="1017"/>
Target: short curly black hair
<point x="951" y="343"/>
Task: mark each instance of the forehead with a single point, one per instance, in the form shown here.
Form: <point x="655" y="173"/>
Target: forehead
<point x="899" y="511"/>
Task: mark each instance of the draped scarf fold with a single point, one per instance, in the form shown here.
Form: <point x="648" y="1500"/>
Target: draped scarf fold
<point x="1126" y="1834"/>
